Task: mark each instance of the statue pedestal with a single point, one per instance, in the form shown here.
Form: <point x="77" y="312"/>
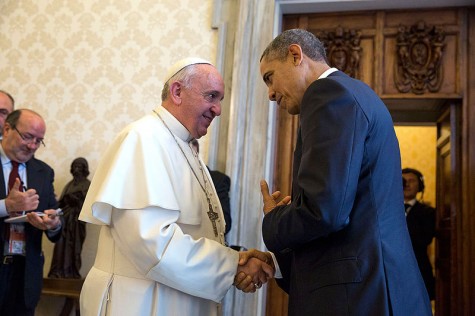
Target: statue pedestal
<point x="68" y="288"/>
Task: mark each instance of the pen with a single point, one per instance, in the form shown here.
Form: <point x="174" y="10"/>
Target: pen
<point x="59" y="212"/>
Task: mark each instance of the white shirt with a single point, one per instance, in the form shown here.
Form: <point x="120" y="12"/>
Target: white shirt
<point x="7" y="168"/>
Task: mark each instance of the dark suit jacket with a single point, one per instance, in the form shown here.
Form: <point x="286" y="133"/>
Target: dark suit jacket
<point x="343" y="244"/>
<point x="222" y="183"/>
<point x="421" y="225"/>
<point x="39" y="177"/>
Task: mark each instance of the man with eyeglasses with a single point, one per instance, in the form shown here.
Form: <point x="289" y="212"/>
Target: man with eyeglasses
<point x="27" y="188"/>
<point x="7" y="104"/>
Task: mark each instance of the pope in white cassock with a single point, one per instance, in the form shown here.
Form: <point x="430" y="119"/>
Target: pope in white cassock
<point x="161" y="247"/>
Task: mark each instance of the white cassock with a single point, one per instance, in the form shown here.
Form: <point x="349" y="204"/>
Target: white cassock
<point x="157" y="252"/>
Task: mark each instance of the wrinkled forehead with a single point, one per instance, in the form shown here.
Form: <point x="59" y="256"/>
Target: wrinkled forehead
<point x="210" y="78"/>
<point x="31" y="121"/>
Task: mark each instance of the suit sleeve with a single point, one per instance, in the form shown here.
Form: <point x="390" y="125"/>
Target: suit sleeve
<point x="52" y="203"/>
<point x="333" y="128"/>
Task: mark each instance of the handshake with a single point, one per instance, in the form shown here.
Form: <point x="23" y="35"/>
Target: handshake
<point x="254" y="269"/>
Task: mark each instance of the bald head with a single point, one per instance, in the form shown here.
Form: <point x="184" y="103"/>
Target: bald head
<point x="23" y="134"/>
<point x="7" y="104"/>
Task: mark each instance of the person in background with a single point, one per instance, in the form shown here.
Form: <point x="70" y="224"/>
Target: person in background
<point x="7" y="104"/>
<point x="342" y="243"/>
<point x="222" y="184"/>
<point x="66" y="262"/>
<point x="420" y="219"/>
<point x="161" y="248"/>
<point x="27" y="186"/>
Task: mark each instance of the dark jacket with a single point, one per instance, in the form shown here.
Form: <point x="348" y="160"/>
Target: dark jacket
<point x="222" y="184"/>
<point x="421" y="225"/>
<point x="40" y="177"/>
<point x="343" y="244"/>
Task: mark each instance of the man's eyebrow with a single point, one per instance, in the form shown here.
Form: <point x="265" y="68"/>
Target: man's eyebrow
<point x="216" y="92"/>
<point x="206" y="92"/>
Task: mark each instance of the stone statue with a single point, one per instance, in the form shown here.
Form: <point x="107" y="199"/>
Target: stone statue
<point x="66" y="261"/>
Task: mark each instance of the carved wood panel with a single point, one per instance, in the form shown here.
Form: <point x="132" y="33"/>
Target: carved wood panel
<point x="421" y="54"/>
<point x="371" y="45"/>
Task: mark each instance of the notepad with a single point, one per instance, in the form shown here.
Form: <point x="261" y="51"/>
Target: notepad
<point x="21" y="218"/>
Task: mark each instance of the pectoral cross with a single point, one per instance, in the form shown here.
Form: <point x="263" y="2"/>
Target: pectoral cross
<point x="213" y="216"/>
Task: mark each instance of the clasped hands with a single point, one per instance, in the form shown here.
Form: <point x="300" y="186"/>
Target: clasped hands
<point x="254" y="269"/>
<point x="17" y="202"/>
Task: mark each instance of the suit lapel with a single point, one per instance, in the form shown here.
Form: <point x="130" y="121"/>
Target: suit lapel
<point x="32" y="175"/>
<point x="3" y="190"/>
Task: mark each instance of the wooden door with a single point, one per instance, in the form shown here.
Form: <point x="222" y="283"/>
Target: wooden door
<point x="448" y="206"/>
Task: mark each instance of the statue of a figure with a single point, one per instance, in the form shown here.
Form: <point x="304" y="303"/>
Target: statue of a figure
<point x="66" y="261"/>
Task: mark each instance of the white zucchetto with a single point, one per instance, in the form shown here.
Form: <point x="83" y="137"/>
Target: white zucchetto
<point x="179" y="65"/>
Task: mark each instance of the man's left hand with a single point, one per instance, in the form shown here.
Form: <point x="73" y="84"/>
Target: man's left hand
<point x="270" y="200"/>
<point x="46" y="222"/>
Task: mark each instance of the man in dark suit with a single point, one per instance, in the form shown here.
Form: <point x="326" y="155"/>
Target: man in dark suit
<point x="420" y="219"/>
<point x="342" y="242"/>
<point x="27" y="185"/>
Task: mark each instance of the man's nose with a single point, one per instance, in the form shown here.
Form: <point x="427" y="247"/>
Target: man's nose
<point x="216" y="110"/>
<point x="271" y="95"/>
<point x="33" y="145"/>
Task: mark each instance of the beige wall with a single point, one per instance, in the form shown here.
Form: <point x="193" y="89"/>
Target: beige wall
<point x="418" y="150"/>
<point x="91" y="67"/>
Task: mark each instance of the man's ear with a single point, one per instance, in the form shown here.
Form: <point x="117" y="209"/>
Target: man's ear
<point x="6" y="128"/>
<point x="296" y="52"/>
<point x="175" y="92"/>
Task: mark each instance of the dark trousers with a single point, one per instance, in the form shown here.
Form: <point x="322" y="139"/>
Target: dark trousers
<point x="12" y="287"/>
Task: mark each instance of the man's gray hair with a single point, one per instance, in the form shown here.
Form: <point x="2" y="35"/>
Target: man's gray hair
<point x="310" y="44"/>
<point x="185" y="76"/>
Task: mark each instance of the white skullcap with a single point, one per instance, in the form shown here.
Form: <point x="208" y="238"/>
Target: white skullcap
<point x="179" y="65"/>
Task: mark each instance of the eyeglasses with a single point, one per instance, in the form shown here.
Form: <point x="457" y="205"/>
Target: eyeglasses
<point x="30" y="139"/>
<point x="4" y="112"/>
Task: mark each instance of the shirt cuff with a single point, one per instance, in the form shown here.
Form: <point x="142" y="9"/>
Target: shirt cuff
<point x="54" y="231"/>
<point x="3" y="208"/>
<point x="278" y="274"/>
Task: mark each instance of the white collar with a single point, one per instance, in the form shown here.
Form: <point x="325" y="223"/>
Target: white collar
<point x="5" y="160"/>
<point x="327" y="72"/>
<point x="173" y="124"/>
